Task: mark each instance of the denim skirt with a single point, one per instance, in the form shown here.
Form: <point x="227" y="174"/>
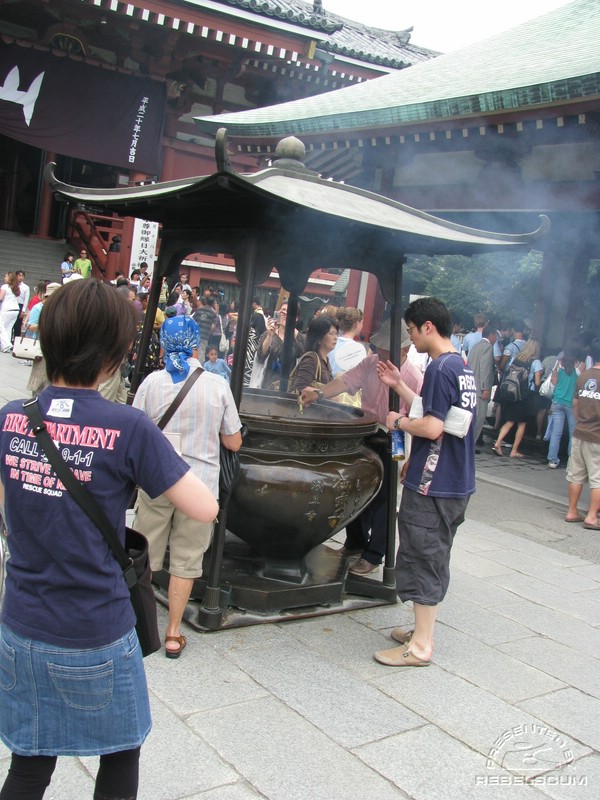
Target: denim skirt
<point x="62" y="701"/>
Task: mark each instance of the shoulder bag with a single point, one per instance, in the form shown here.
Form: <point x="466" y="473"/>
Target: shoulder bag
<point x="316" y="381"/>
<point x="547" y="388"/>
<point x="26" y="349"/>
<point x="223" y="341"/>
<point x="133" y="558"/>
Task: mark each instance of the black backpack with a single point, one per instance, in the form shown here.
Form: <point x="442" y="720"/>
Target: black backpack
<point x="515" y="383"/>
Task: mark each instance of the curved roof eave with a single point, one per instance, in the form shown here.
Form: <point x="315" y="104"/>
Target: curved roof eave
<point x="549" y="59"/>
<point x="368" y="119"/>
<point x="296" y="189"/>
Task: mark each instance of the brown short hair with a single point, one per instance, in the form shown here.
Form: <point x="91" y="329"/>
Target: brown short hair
<point x="86" y="327"/>
<point x="348" y="317"/>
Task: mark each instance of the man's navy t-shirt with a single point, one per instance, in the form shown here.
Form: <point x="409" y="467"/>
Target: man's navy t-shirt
<point x="445" y="467"/>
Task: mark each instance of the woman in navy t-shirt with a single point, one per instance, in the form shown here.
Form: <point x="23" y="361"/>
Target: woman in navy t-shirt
<point x="71" y="675"/>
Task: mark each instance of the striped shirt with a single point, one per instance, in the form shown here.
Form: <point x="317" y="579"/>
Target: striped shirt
<point x="207" y="411"/>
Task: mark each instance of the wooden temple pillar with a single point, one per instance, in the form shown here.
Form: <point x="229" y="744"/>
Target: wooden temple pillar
<point x="46" y="201"/>
<point x="562" y="288"/>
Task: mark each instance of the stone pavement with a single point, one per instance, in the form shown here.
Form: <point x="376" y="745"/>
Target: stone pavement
<point x="299" y="710"/>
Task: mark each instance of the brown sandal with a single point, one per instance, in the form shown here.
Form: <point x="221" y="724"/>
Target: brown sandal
<point x="397" y="657"/>
<point x="181" y="641"/>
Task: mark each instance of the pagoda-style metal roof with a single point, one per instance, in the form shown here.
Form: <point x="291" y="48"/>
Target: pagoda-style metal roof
<point x="554" y="58"/>
<point x="300" y="220"/>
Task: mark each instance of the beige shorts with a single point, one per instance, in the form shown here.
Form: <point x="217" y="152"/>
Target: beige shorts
<point x="162" y="524"/>
<point x="584" y="463"/>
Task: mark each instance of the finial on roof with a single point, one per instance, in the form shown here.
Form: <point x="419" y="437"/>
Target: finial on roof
<point x="289" y="155"/>
<point x="291" y="147"/>
<point x="404" y="36"/>
<point x="318" y="7"/>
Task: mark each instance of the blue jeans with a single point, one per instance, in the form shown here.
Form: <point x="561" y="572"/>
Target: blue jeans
<point x="558" y="414"/>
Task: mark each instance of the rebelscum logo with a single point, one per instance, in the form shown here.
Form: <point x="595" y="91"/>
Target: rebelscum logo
<point x="531" y="754"/>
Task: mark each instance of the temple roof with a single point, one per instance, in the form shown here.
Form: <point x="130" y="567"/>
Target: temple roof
<point x="297" y="216"/>
<point x="553" y="58"/>
<point x="337" y="35"/>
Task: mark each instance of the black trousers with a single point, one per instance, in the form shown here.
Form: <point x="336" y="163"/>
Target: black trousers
<point x="367" y="531"/>
<point x="16" y="331"/>
<point x="29" y="776"/>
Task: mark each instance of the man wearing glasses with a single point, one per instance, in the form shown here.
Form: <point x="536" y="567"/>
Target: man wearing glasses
<point x="83" y="265"/>
<point x="438" y="480"/>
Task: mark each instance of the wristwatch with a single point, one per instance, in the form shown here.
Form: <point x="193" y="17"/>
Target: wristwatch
<point x="397" y="423"/>
<point x="319" y="393"/>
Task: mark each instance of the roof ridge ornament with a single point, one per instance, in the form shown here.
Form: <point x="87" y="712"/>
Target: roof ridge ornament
<point x="290" y="154"/>
<point x="221" y="154"/>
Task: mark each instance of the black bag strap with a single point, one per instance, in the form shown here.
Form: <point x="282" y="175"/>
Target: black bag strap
<point x="79" y="493"/>
<point x="179" y="398"/>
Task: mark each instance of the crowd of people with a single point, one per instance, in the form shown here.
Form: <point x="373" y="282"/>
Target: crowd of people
<point x="67" y="689"/>
<point x="501" y="357"/>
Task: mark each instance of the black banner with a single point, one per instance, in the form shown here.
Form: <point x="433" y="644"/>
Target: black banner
<point x="58" y="103"/>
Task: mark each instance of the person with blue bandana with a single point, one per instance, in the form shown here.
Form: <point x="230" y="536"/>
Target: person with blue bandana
<point x="206" y="418"/>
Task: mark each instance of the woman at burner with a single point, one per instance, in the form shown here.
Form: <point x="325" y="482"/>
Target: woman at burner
<point x="313" y="368"/>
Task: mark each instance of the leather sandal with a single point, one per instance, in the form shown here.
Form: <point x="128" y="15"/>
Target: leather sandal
<point x="400" y="657"/>
<point x="400" y="635"/>
<point x="181" y="641"/>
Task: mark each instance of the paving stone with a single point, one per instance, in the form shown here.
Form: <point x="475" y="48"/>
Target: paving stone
<point x="513" y="542"/>
<point x="285" y="757"/>
<point x="472" y="542"/>
<point x="470" y="714"/>
<point x="411" y="759"/>
<point x="542" y="568"/>
<point x="236" y="791"/>
<point x="560" y="660"/>
<point x="199" y="680"/>
<point x="386" y="616"/>
<point x="481" y="530"/>
<point x="486" y="667"/>
<point x="174" y="762"/>
<point x="555" y="625"/>
<point x="593" y="594"/>
<point x="482" y="623"/>
<point x="546" y="595"/>
<point x="589" y="570"/>
<point x="580" y="781"/>
<point x="570" y="711"/>
<point x="232" y="639"/>
<point x="477" y="590"/>
<point x="323" y="692"/>
<point x="477" y="565"/>
<point x="346" y="641"/>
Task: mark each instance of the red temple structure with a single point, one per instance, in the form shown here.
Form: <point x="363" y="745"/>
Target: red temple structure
<point x="490" y="136"/>
<point x="109" y="91"/>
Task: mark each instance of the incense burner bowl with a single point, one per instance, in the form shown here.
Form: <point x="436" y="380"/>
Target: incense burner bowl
<point x="304" y="475"/>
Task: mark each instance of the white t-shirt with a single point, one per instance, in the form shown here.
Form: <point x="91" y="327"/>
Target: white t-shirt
<point x="346" y="354"/>
<point x="10" y="302"/>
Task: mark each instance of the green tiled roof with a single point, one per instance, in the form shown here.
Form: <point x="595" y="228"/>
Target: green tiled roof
<point x="553" y="58"/>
